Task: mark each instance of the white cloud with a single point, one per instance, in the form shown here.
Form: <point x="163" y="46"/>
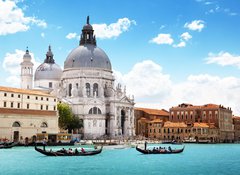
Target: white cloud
<point x="12" y="19"/>
<point x="195" y="25"/>
<point x="72" y="35"/>
<point x="113" y="30"/>
<point x="145" y="80"/>
<point x="223" y="59"/>
<point x="154" y="89"/>
<point x="186" y="36"/>
<point x="43" y="35"/>
<point x="181" y="44"/>
<point x="11" y="65"/>
<point x="162" y="39"/>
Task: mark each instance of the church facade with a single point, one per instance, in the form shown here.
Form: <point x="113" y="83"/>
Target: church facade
<point x="87" y="85"/>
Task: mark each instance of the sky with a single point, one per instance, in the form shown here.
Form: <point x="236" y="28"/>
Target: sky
<point x="166" y="52"/>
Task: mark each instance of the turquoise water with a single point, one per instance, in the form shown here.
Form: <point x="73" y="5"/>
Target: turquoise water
<point x="196" y="159"/>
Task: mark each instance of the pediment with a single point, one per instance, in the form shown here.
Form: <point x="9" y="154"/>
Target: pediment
<point x="125" y="99"/>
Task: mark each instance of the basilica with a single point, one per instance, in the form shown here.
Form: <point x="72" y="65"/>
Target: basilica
<point x="87" y="84"/>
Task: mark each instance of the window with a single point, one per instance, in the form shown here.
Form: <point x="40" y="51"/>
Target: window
<point x="28" y="97"/>
<point x="94" y="110"/>
<point x="95" y="89"/>
<point x="69" y="90"/>
<point x="41" y="98"/>
<point x="44" y="125"/>
<point x="27" y="106"/>
<point x="41" y="107"/>
<point x="16" y="124"/>
<point x="54" y="99"/>
<point x="5" y="104"/>
<point x="19" y="95"/>
<point x="46" y="107"/>
<point x="11" y="104"/>
<point x="50" y="84"/>
<point x="5" y="94"/>
<point x="18" y="105"/>
<point x="47" y="99"/>
<point x="88" y="89"/>
<point x="54" y="108"/>
<point x="36" y="98"/>
<point x="12" y="95"/>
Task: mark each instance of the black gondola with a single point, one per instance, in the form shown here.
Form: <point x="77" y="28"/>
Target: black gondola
<point x="161" y="151"/>
<point x="65" y="153"/>
<point x="7" y="145"/>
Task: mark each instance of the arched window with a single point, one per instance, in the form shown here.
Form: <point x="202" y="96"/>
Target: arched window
<point x="88" y="89"/>
<point x="44" y="125"/>
<point x="94" y="110"/>
<point x="69" y="90"/>
<point x="95" y="89"/>
<point x="16" y="124"/>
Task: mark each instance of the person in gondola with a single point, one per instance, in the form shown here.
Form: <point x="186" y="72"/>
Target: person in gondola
<point x="76" y="151"/>
<point x="44" y="143"/>
<point x="145" y="145"/>
<point x="170" y="149"/>
<point x="82" y="149"/>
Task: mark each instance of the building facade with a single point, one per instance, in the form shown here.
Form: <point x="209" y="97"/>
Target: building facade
<point x="236" y="123"/>
<point x="216" y="116"/>
<point x="24" y="113"/>
<point x="150" y="121"/>
<point x="87" y="84"/>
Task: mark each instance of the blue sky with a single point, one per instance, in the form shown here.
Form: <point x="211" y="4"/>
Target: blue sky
<point x="165" y="52"/>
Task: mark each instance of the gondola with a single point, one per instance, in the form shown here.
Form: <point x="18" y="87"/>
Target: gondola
<point x="7" y="145"/>
<point x="65" y="153"/>
<point x="162" y="151"/>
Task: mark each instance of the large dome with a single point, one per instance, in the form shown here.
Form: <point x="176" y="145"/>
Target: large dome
<point x="88" y="56"/>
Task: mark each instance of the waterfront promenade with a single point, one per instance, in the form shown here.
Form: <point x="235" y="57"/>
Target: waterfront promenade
<point x="210" y="159"/>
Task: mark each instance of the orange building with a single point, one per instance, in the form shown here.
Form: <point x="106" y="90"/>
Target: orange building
<point x="236" y="123"/>
<point x="216" y="116"/>
<point x="150" y="121"/>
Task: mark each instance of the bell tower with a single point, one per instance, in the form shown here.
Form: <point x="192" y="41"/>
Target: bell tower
<point x="26" y="71"/>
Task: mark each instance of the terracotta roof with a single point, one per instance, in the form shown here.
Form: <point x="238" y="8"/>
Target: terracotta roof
<point x="174" y="125"/>
<point x="24" y="91"/>
<point x="27" y="112"/>
<point x="156" y="121"/>
<point x="200" y="125"/>
<point x="161" y="112"/>
<point x="236" y="117"/>
<point x="212" y="126"/>
<point x="190" y="106"/>
<point x="143" y="119"/>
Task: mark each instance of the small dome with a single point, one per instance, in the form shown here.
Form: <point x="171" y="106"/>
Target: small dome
<point x="27" y="56"/>
<point x="48" y="71"/>
<point x="87" y="27"/>
<point x="88" y="56"/>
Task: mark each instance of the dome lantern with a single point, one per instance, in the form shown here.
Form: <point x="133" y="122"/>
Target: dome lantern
<point x="87" y="36"/>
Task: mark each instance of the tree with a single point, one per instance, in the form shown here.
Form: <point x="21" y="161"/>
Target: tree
<point x="67" y="120"/>
<point x="65" y="115"/>
<point x="75" y="123"/>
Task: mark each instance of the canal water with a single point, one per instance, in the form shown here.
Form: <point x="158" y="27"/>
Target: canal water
<point x="197" y="159"/>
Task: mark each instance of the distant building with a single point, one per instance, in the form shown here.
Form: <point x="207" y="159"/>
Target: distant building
<point x="149" y="121"/>
<point x="236" y="123"/>
<point x="213" y="115"/>
<point x="24" y="113"/>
